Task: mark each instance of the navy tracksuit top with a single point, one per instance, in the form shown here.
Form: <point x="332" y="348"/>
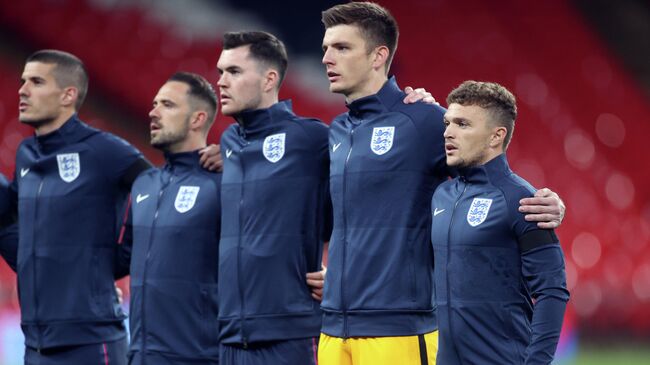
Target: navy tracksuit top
<point x="70" y="186"/>
<point x="276" y="215"/>
<point x="387" y="157"/>
<point x="175" y="239"/>
<point x="500" y="281"/>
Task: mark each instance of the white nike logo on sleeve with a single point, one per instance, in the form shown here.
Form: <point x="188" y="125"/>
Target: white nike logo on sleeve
<point x="140" y="198"/>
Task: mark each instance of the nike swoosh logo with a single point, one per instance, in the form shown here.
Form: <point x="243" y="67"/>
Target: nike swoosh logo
<point x="336" y="147"/>
<point x="228" y="153"/>
<point x="436" y="211"/>
<point x="140" y="198"/>
<point x="23" y="172"/>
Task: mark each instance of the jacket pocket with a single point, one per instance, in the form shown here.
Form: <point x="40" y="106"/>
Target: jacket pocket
<point x="210" y="325"/>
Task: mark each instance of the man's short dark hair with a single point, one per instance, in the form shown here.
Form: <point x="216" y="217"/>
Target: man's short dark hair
<point x="376" y="23"/>
<point x="264" y="47"/>
<point x="200" y="90"/>
<point x="500" y="103"/>
<point x="69" y="71"/>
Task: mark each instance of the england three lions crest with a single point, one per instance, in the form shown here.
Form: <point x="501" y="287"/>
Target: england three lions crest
<point x="382" y="139"/>
<point x="186" y="198"/>
<point x="273" y="147"/>
<point x="478" y="211"/>
<point x="69" y="166"/>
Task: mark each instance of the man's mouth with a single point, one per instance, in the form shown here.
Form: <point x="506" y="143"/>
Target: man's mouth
<point x="333" y="76"/>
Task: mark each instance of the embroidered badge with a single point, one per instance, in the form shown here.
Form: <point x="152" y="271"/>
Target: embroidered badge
<point x="478" y="211"/>
<point x="69" y="166"/>
<point x="186" y="198"/>
<point x="273" y="147"/>
<point x="382" y="139"/>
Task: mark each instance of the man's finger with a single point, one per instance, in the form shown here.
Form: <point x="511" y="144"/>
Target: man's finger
<point x="547" y="201"/>
<point x="538" y="209"/>
<point x="315" y="283"/>
<point x="540" y="217"/>
<point x="203" y="157"/>
<point x="548" y="225"/>
<point x="430" y="100"/>
<point x="315" y="275"/>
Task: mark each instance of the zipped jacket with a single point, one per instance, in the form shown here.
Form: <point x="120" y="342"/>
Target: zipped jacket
<point x="176" y="222"/>
<point x="387" y="158"/>
<point x="500" y="280"/>
<point x="276" y="216"/>
<point x="70" y="187"/>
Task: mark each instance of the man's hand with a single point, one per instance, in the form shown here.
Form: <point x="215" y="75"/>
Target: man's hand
<point x="419" y="94"/>
<point x="546" y="208"/>
<point x="211" y="158"/>
<point x="316" y="281"/>
<point x="120" y="295"/>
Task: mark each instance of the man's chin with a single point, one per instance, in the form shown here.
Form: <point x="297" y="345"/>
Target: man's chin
<point x="336" y="89"/>
<point x="158" y="145"/>
<point x="232" y="111"/>
<point x="455" y="163"/>
<point x="28" y="120"/>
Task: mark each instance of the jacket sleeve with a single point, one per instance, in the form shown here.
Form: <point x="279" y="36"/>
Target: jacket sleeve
<point x="9" y="245"/>
<point x="326" y="199"/>
<point x="124" y="245"/>
<point x="432" y="129"/>
<point x="543" y="270"/>
<point x="8" y="225"/>
<point x="126" y="162"/>
<point x="8" y="201"/>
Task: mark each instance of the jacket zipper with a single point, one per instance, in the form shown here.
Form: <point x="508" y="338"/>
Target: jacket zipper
<point x="345" y="237"/>
<point x="451" y="222"/>
<point x="242" y="315"/>
<point x="38" y="327"/>
<point x="163" y="186"/>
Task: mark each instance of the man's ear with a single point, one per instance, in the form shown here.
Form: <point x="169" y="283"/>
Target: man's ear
<point x="498" y="137"/>
<point x="271" y="80"/>
<point x="381" y="54"/>
<point x="69" y="96"/>
<point x="198" y="120"/>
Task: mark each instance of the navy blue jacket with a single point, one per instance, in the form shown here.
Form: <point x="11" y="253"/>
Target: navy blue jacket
<point x="176" y="226"/>
<point x="387" y="157"/>
<point x="70" y="186"/>
<point x="491" y="265"/>
<point x="276" y="215"/>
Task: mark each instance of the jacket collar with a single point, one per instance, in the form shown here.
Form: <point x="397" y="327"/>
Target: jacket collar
<point x="497" y="166"/>
<point x="72" y="131"/>
<point x="378" y="103"/>
<point x="254" y="122"/>
<point x="183" y="160"/>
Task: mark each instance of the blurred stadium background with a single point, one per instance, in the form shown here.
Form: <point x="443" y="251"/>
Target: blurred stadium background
<point x="580" y="70"/>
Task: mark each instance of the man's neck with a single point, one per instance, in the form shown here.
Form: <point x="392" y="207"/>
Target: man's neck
<point x="187" y="145"/>
<point x="53" y="125"/>
<point x="265" y="104"/>
<point x="370" y="87"/>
